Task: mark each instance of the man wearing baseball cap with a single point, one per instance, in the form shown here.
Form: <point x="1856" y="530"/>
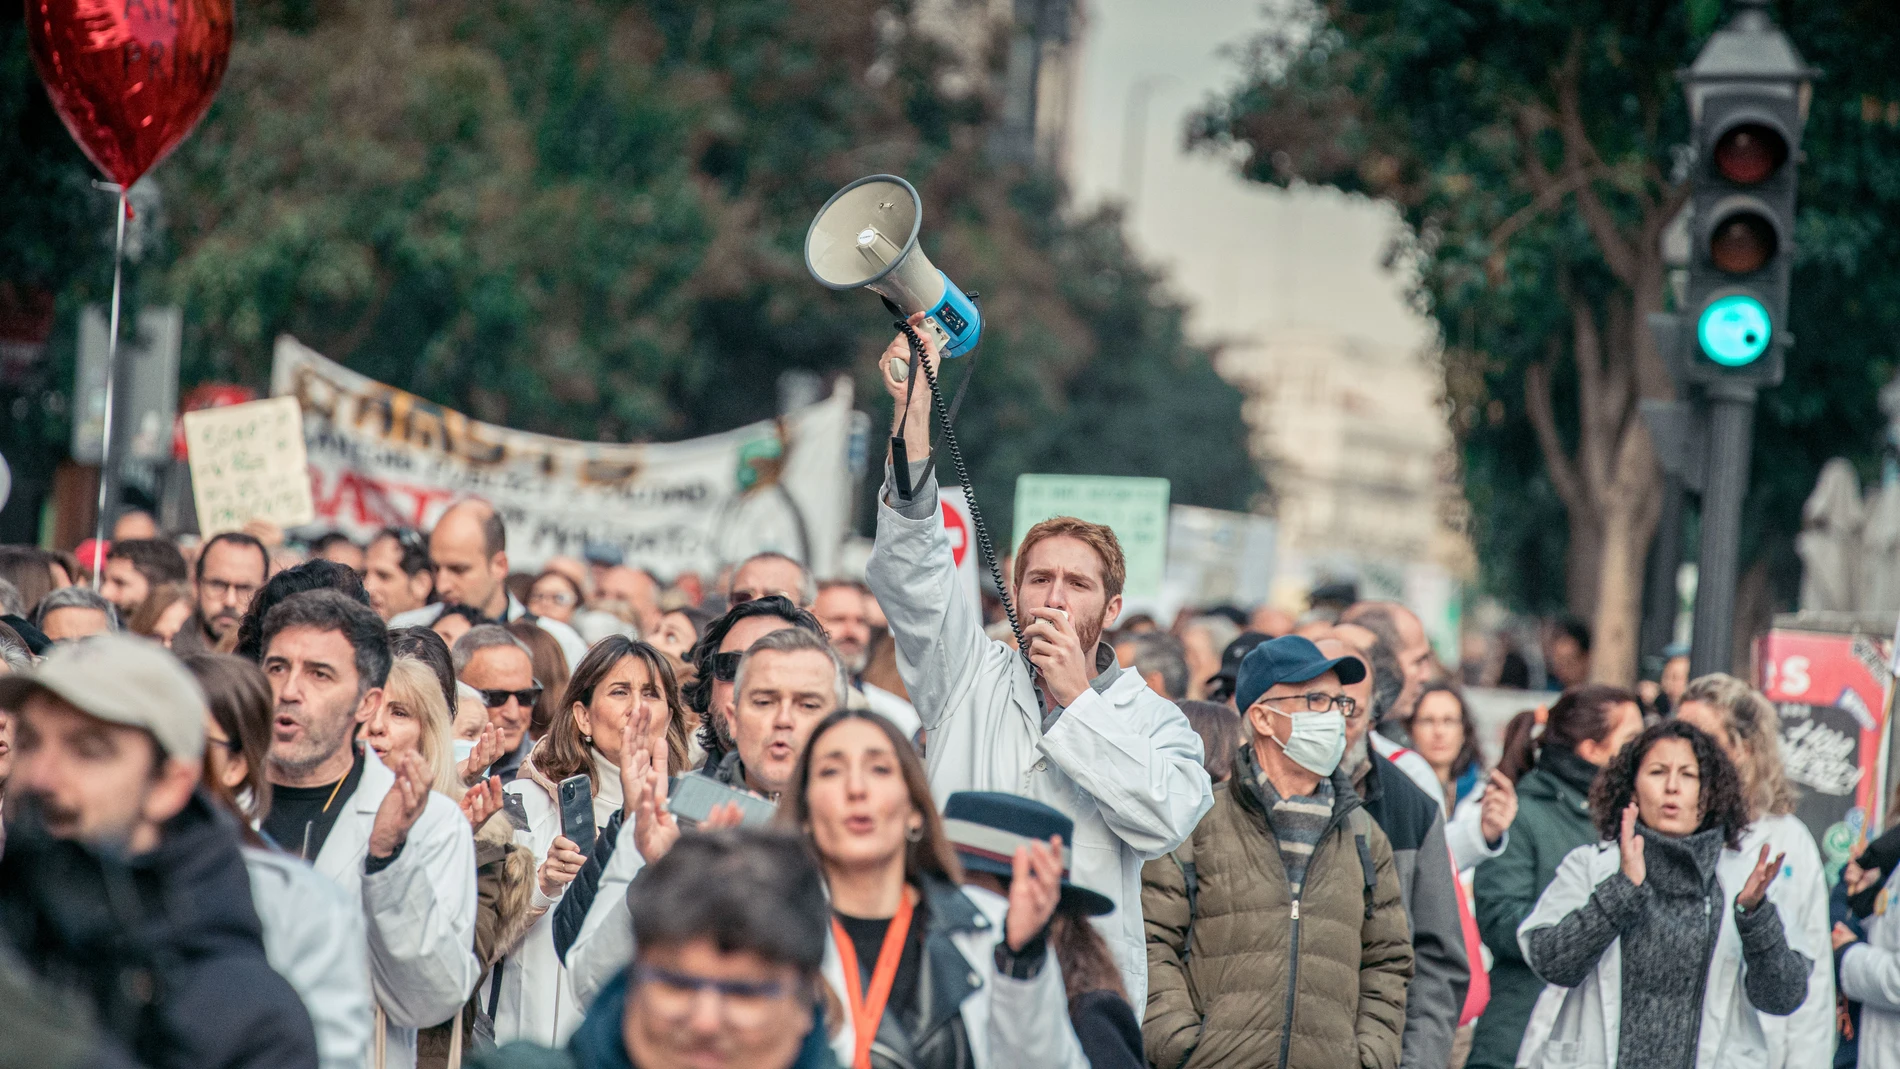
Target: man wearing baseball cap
<point x="1285" y="898"/>
<point x="121" y="882"/>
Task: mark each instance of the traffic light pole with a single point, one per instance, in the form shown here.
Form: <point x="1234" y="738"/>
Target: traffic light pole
<point x="1731" y="408"/>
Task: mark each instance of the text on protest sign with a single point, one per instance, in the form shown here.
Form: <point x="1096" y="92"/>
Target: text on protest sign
<point x="379" y="456"/>
<point x="247" y="463"/>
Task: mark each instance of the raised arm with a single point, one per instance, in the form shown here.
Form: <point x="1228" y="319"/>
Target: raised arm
<point x="1575" y="922"/>
<point x="937" y="626"/>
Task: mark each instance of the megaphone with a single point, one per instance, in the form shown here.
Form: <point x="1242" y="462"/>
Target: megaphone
<point x="865" y="237"/>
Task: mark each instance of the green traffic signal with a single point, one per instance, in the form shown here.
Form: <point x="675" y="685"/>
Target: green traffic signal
<point x="1734" y="330"/>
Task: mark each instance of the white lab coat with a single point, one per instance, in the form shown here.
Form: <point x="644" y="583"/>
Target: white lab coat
<point x="1870" y="974"/>
<point x="1020" y="1024"/>
<point x="1123" y="764"/>
<point x="419" y="912"/>
<point x="313" y="937"/>
<point x="1805" y="1038"/>
<point x="537" y="1002"/>
<point x="1578" y="1027"/>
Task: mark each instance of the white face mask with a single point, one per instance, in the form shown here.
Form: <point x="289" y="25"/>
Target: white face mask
<point x="1317" y="742"/>
<point x="463" y="747"/>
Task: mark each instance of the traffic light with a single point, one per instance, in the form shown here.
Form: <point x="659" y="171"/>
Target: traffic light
<point x="1747" y="102"/>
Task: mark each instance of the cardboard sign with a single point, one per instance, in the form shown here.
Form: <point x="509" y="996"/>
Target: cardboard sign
<point x="1135" y="509"/>
<point x="247" y="463"/>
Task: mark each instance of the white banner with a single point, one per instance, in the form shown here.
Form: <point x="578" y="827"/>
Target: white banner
<point x="382" y="457"/>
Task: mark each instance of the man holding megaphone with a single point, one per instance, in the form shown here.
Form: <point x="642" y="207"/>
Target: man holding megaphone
<point x="1058" y="722"/>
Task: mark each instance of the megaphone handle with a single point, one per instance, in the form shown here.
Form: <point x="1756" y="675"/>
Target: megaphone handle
<point x="946" y="417"/>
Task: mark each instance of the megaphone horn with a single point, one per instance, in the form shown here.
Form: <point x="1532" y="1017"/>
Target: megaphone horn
<point x="865" y="237"/>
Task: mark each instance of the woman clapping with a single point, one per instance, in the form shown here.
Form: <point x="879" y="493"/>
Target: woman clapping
<point x="930" y="979"/>
<point x="1660" y="943"/>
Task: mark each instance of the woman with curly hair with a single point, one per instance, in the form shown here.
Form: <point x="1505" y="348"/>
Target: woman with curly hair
<point x="1660" y="944"/>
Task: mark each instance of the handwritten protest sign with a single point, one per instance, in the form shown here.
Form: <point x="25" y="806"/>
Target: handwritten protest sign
<point x="1135" y="509"/>
<point x="247" y="463"/>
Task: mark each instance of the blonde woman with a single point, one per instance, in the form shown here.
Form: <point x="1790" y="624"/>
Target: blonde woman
<point x="1748" y="729"/>
<point x="414" y="716"/>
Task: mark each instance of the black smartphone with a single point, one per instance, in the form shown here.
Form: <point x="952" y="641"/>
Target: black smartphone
<point x="694" y="798"/>
<point x="577" y="812"/>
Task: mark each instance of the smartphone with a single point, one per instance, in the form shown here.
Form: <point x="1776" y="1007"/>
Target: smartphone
<point x="577" y="812"/>
<point x="694" y="798"/>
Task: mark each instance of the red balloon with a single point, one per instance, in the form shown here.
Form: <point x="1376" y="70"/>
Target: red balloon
<point x="130" y="78"/>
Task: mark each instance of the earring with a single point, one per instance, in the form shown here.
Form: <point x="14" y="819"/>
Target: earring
<point x="587" y="739"/>
<point x="915" y="834"/>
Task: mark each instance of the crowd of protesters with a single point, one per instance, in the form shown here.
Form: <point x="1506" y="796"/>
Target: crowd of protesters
<point x="399" y="804"/>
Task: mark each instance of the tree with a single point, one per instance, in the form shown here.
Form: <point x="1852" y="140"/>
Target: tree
<point x="587" y="219"/>
<point x="1532" y="152"/>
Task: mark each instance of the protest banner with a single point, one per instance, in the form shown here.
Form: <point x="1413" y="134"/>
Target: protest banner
<point x="1136" y="509"/>
<point x="379" y="456"/>
<point x="247" y="463"/>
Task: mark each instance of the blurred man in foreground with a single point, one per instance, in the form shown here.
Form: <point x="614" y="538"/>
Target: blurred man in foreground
<point x="731" y="929"/>
<point x="121" y="882"/>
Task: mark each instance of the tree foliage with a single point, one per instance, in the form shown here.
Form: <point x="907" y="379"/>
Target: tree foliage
<point x="588" y="219"/>
<point x="1533" y="151"/>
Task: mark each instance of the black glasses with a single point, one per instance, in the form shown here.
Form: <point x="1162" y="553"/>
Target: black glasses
<point x="1317" y="702"/>
<point x="725" y="666"/>
<point x="495" y="699"/>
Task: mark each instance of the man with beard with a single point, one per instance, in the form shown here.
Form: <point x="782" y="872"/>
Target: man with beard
<point x="389" y="841"/>
<point x="844" y="609"/>
<point x="135" y="568"/>
<point x="232" y="567"/>
<point x="1414" y="822"/>
<point x="122" y="886"/>
<point x="1059" y="722"/>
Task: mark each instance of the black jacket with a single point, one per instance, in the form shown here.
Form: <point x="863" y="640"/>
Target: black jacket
<point x="165" y="947"/>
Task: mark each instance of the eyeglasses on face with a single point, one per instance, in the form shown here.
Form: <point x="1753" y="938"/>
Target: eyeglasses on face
<point x="495" y="699"/>
<point x="561" y="598"/>
<point x="742" y="1003"/>
<point x="1315" y="702"/>
<point x="216" y="589"/>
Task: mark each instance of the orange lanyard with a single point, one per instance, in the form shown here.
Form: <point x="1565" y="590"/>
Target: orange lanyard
<point x="867" y="1007"/>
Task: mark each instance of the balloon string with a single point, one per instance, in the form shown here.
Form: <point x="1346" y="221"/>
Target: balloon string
<point x="106" y="459"/>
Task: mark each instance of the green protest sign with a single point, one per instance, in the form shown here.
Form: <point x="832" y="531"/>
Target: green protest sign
<point x="1135" y="509"/>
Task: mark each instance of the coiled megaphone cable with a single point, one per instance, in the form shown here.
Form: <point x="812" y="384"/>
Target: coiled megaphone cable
<point x="946" y="416"/>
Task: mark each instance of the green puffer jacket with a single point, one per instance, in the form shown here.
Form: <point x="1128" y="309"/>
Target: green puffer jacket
<point x="1553" y="818"/>
<point x="1337" y="967"/>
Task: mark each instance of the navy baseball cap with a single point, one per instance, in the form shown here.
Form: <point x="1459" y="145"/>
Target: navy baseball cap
<point x="1289" y="659"/>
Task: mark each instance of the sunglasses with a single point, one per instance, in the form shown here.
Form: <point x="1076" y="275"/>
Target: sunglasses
<point x="725" y="666"/>
<point x="495" y="699"/>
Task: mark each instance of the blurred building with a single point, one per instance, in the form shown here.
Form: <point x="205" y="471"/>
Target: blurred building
<point x="1359" y="456"/>
<point x="1028" y="53"/>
